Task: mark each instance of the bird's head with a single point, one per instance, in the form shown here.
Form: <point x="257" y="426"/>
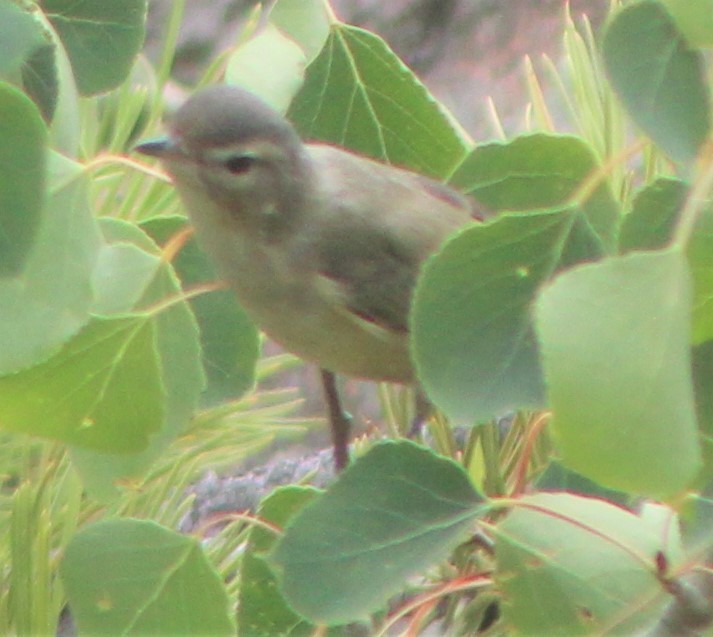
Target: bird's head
<point x="227" y="145"/>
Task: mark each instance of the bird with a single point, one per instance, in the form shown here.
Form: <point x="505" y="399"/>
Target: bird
<point x="322" y="246"/>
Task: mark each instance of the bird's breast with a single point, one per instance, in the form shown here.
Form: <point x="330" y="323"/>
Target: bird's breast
<point x="280" y="286"/>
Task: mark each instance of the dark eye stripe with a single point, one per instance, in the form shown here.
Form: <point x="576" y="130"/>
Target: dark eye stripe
<point x="239" y="164"/>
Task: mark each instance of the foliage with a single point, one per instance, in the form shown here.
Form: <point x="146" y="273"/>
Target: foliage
<point x="582" y="306"/>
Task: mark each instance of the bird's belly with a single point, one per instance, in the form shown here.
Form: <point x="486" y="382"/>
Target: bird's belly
<point x="283" y="296"/>
<point x="337" y="344"/>
<point x="317" y="331"/>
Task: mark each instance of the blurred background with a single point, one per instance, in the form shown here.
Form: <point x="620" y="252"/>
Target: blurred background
<point x="463" y="50"/>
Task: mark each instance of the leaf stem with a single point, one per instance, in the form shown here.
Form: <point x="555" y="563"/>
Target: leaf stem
<point x="695" y="201"/>
<point x="330" y="12"/>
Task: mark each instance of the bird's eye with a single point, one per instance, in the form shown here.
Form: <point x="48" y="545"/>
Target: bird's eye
<point x="239" y="164"/>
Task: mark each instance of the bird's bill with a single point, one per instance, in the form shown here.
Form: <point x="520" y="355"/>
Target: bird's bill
<point x="162" y="147"/>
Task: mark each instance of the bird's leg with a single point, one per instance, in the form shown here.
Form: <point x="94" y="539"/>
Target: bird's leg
<point x="339" y="420"/>
<point x="424" y="409"/>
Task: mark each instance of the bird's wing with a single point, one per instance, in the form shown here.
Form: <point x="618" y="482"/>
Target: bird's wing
<point x="374" y="276"/>
<point x="380" y="225"/>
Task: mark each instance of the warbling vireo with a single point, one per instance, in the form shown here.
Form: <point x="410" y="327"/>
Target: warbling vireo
<point x="321" y="246"/>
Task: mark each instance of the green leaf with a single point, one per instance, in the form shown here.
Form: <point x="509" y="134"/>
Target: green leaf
<point x="121" y="276"/>
<point x="652" y="220"/>
<point x="615" y="344"/>
<point x="49" y="301"/>
<point x="270" y="65"/>
<point x="535" y="171"/>
<point x="659" y="77"/>
<point x="261" y="608"/>
<point x="178" y="351"/>
<point x="694" y="18"/>
<point x="134" y="577"/>
<point x="305" y="21"/>
<point x="472" y="337"/>
<point x="651" y="224"/>
<point x="570" y="565"/>
<point x="558" y="478"/>
<point x="22" y="178"/>
<point x="700" y="256"/>
<point x="703" y="384"/>
<point x="40" y="79"/>
<point x="102" y="38"/>
<point x="229" y="339"/>
<point x="47" y="77"/>
<point x="393" y="513"/>
<point x="80" y="395"/>
<point x="20" y="34"/>
<point x="359" y="95"/>
<point x="182" y="377"/>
